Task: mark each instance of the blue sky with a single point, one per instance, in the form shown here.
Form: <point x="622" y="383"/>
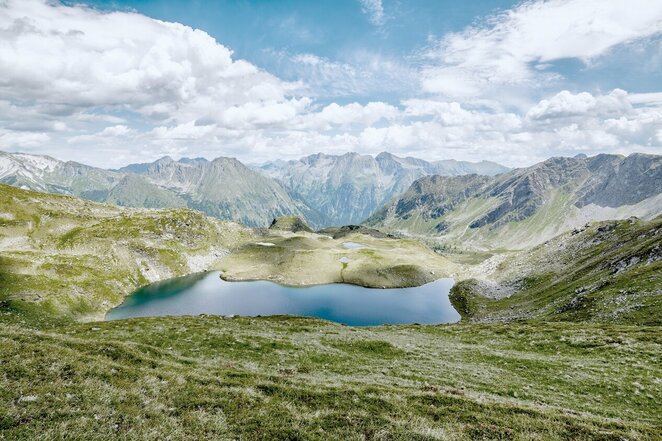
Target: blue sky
<point x="112" y="82"/>
<point x="261" y="31"/>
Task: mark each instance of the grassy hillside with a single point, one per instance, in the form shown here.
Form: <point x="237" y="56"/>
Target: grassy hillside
<point x="606" y="271"/>
<point x="285" y="378"/>
<point x="302" y="379"/>
<point x="71" y="257"/>
<point x="312" y="259"/>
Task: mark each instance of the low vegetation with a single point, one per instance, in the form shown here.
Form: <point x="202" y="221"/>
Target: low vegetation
<point x="69" y="257"/>
<point x="603" y="272"/>
<point x="558" y="342"/>
<point x="312" y="259"/>
<point x="294" y="378"/>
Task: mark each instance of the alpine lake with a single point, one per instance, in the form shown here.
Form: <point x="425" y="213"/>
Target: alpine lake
<point x="207" y="293"/>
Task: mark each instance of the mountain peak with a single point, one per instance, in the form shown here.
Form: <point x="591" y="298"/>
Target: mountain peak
<point x="385" y="155"/>
<point x="164" y="160"/>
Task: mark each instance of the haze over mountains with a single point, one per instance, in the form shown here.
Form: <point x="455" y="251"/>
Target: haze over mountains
<point x="481" y="205"/>
<point x="527" y="206"/>
<point x="346" y="189"/>
<point x="325" y="190"/>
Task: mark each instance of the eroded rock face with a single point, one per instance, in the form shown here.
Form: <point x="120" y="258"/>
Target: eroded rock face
<point x="614" y="183"/>
<point x="562" y="186"/>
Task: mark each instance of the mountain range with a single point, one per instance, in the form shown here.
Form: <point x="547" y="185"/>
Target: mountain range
<point x="527" y="206"/>
<point x="477" y="205"/>
<point x="348" y="188"/>
<point x="325" y="190"/>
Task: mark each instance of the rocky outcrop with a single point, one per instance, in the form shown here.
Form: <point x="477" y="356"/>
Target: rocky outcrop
<point x="290" y="223"/>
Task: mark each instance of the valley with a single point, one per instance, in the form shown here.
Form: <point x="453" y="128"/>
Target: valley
<point x="69" y="257"/>
<point x="559" y="337"/>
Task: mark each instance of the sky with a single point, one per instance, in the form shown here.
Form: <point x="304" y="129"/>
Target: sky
<point x="110" y="82"/>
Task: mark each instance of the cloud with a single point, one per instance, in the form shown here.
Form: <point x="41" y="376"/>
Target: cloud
<point x="565" y="104"/>
<point x="112" y="88"/>
<point x="22" y="139"/>
<point x="52" y="54"/>
<point x="374" y="10"/>
<point x="353" y="114"/>
<point x="516" y="47"/>
<point x="360" y="73"/>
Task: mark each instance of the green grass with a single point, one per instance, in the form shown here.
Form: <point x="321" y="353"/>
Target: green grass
<point x="610" y="272"/>
<point x="286" y="378"/>
<point x="295" y="378"/>
<point x="70" y="257"/>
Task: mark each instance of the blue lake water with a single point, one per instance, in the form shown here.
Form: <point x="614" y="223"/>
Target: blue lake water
<point x="349" y="304"/>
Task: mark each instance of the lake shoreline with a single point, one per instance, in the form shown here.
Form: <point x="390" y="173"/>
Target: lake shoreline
<point x="207" y="293"/>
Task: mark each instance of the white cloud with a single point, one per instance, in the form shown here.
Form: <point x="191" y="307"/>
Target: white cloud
<point x="375" y="11"/>
<point x="79" y="57"/>
<point x="14" y="139"/>
<point x="515" y="47"/>
<point x="565" y="104"/>
<point x="361" y="73"/>
<point x="134" y="88"/>
<point x="348" y="115"/>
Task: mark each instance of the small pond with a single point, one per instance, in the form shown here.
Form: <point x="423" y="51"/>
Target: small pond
<point x="207" y="293"/>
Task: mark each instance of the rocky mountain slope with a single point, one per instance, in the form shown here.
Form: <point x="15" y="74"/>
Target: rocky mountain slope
<point x="43" y="173"/>
<point x="348" y="188"/>
<point x="527" y="206"/>
<point x="223" y="188"/>
<point x="607" y="271"/>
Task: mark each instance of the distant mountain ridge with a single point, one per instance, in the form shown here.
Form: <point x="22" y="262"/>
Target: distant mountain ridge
<point x="348" y="188"/>
<point x="223" y="188"/>
<point x="526" y="206"/>
<point x="355" y="185"/>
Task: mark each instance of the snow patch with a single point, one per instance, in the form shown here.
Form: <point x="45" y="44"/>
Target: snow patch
<point x="265" y="244"/>
<point x="44" y="163"/>
<point x="353" y="245"/>
<point x="7" y="166"/>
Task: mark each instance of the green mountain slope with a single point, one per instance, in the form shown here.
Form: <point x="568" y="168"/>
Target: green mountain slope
<point x="68" y="257"/>
<point x="608" y="271"/>
<point x="133" y="191"/>
<point x="226" y="189"/>
<point x="223" y="188"/>
<point x="525" y="207"/>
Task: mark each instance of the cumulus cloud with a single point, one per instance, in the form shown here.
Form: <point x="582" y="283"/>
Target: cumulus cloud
<point x="22" y="139"/>
<point x="565" y="104"/>
<point x="80" y="58"/>
<point x="516" y="46"/>
<point x="136" y="89"/>
<point x="348" y="115"/>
